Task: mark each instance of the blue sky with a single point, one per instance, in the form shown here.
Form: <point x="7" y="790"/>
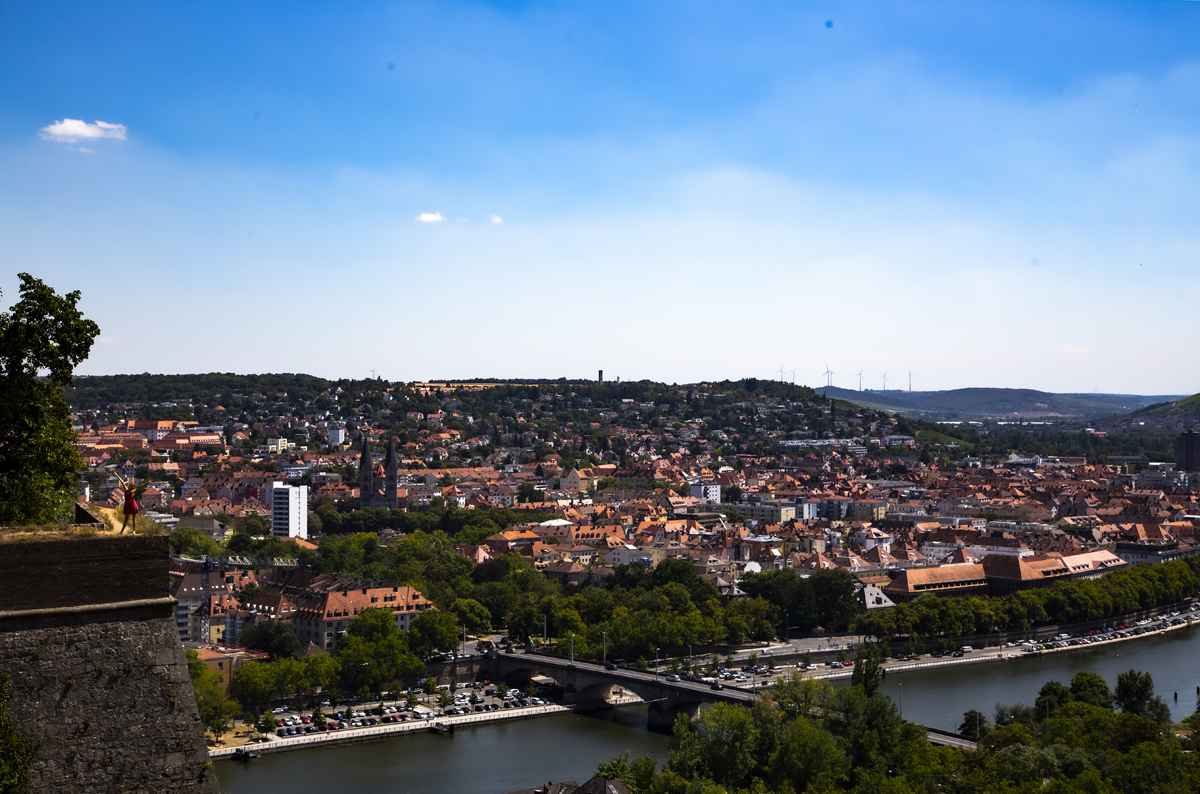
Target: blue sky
<point x="986" y="194"/>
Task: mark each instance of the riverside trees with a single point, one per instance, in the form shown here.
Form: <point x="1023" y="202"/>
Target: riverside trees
<point x="1118" y="593"/>
<point x="810" y="737"/>
<point x="372" y="654"/>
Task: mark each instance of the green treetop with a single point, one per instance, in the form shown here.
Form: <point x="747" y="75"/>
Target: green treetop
<point x="42" y="339"/>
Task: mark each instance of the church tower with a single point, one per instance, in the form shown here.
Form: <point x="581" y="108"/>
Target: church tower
<point x="389" y="474"/>
<point x="366" y="474"/>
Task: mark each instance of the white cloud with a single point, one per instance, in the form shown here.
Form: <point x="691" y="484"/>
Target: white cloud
<point x="71" y="130"/>
<point x="497" y="219"/>
<point x="430" y="217"/>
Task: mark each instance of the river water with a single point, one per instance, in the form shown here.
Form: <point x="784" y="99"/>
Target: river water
<point x="939" y="696"/>
<point x="506" y="756"/>
<point x="489" y="758"/>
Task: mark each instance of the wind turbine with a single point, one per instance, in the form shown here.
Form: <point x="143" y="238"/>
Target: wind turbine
<point x="885" y="381"/>
<point x="910" y="381"/>
<point x="860" y="380"/>
<point x="828" y="377"/>
<point x="781" y="371"/>
<point x="793" y="372"/>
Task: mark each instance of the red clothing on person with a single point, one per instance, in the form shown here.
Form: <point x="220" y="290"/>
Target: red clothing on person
<point x="131" y="505"/>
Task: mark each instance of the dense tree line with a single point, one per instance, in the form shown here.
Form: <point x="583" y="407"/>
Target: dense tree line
<point x="373" y="655"/>
<point x="939" y="618"/>
<point x="98" y="390"/>
<point x="809" y="737"/>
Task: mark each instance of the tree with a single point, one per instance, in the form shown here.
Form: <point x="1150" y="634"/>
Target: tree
<point x="429" y="685"/>
<point x="727" y="736"/>
<point x="254" y="524"/>
<point x="866" y="669"/>
<point x="1052" y="695"/>
<point x="1134" y="692"/>
<point x="637" y="774"/>
<point x="321" y="672"/>
<point x="374" y="651"/>
<point x="528" y="492"/>
<point x="974" y="725"/>
<point x="265" y="722"/>
<point x="277" y="639"/>
<point x="833" y="591"/>
<point x="42" y="339"/>
<point x="1090" y="688"/>
<point x="215" y="709"/>
<point x="252" y="682"/>
<point x="16" y="751"/>
<point x="433" y="631"/>
<point x="191" y="542"/>
<point x="472" y="614"/>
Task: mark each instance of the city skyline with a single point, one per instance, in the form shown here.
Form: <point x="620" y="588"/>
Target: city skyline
<point x="986" y="196"/>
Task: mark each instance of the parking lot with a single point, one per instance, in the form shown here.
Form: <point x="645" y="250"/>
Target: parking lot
<point x="474" y="698"/>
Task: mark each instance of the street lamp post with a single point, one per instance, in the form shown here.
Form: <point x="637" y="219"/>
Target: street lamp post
<point x="690" y="665"/>
<point x="545" y="636"/>
<point x="605" y="657"/>
<point x="572" y="650"/>
<point x="902" y="701"/>
<point x="656" y="664"/>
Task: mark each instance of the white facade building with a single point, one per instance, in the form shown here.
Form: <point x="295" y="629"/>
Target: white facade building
<point x="289" y="511"/>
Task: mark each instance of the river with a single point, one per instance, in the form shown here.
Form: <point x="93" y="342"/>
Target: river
<point x="939" y="696"/>
<point x="496" y="757"/>
<point x="507" y="756"/>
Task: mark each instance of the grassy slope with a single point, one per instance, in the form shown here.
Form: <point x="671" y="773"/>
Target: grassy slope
<point x="1180" y="409"/>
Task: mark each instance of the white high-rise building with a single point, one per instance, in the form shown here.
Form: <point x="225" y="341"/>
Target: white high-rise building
<point x="337" y="435"/>
<point x="289" y="511"/>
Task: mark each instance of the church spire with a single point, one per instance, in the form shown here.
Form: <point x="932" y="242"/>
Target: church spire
<point x="366" y="473"/>
<point x="365" y="464"/>
<point x="390" y="485"/>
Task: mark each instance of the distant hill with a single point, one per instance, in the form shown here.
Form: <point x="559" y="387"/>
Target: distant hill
<point x="996" y="403"/>
<point x="93" y="390"/>
<point x="1183" y="408"/>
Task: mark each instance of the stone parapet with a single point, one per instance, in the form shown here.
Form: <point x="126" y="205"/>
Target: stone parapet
<point x="100" y="679"/>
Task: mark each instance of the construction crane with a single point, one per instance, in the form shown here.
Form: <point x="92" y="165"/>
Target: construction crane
<point x="209" y="564"/>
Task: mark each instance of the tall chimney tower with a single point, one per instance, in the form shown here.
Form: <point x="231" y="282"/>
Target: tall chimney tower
<point x="601" y="378"/>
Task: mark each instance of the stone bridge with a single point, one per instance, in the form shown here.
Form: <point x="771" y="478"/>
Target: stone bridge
<point x="584" y="682"/>
<point x="588" y="682"/>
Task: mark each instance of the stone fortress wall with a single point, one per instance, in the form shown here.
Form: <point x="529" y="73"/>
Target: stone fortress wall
<point x="101" y="686"/>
